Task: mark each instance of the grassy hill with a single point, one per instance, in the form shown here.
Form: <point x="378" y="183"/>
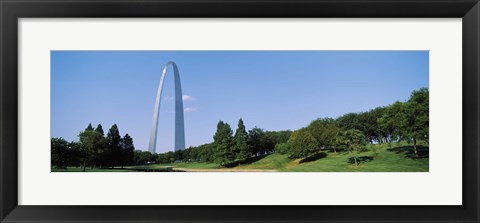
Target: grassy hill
<point x="396" y="157"/>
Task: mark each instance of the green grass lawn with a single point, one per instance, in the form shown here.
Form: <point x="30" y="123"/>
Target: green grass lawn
<point x="272" y="161"/>
<point x="78" y="169"/>
<point x="393" y="158"/>
<point x="384" y="160"/>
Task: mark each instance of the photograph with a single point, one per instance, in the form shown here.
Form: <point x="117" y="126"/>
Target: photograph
<point x="239" y="111"/>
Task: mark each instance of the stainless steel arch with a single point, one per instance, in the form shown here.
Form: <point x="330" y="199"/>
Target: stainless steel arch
<point x="179" y="122"/>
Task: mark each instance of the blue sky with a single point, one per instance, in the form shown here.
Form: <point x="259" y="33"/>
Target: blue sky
<point x="274" y="90"/>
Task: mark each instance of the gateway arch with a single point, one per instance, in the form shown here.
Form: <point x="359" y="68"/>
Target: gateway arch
<point x="179" y="122"/>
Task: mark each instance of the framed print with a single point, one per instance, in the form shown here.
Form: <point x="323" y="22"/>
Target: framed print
<point x="239" y="111"/>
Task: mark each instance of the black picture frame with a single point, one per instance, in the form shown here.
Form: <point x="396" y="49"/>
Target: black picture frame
<point x="12" y="10"/>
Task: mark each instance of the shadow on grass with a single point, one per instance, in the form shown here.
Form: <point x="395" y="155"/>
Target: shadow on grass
<point x="360" y="159"/>
<point x="422" y="151"/>
<point x="145" y="169"/>
<point x="247" y="161"/>
<point x="314" y="157"/>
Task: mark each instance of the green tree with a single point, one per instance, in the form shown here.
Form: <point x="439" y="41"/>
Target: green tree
<point x="377" y="133"/>
<point x="186" y="154"/>
<point x="114" y="147"/>
<point x="178" y="155"/>
<point x="99" y="129"/>
<point x="283" y="148"/>
<point x="223" y="141"/>
<point x="74" y="155"/>
<point x="349" y="121"/>
<point x="353" y="141"/>
<point x="331" y="132"/>
<point x="65" y="154"/>
<point x="101" y="150"/>
<point x="136" y="157"/>
<point x="277" y="137"/>
<point x="260" y="141"/>
<point x="416" y="123"/>
<point x="167" y="157"/>
<point x="89" y="127"/>
<point x="242" y="150"/>
<point x="91" y="143"/>
<point x="303" y="144"/>
<point x="143" y="157"/>
<point x="127" y="148"/>
<point x="170" y="156"/>
<point x="368" y="124"/>
<point x="391" y="121"/>
<point x="59" y="152"/>
<point x="324" y="131"/>
<point x="206" y="152"/>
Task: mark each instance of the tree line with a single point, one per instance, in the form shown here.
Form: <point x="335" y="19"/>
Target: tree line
<point x="400" y="121"/>
<point x="227" y="148"/>
<point x="93" y="149"/>
<point x="236" y="148"/>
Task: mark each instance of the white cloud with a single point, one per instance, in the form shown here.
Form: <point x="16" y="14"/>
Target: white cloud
<point x="189" y="109"/>
<point x="188" y="98"/>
